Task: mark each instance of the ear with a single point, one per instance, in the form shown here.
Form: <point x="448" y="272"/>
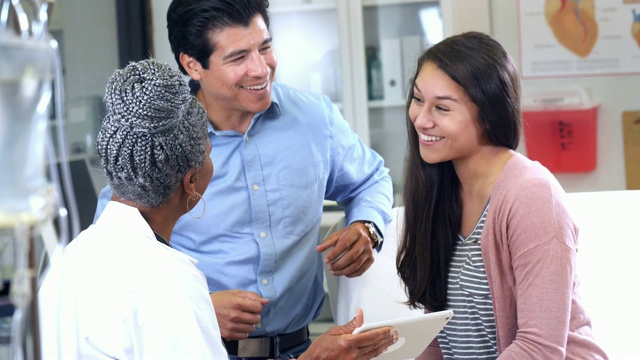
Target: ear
<point x="189" y="182"/>
<point x="192" y="66"/>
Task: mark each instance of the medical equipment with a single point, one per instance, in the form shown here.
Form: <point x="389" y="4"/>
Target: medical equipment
<point x="30" y="77"/>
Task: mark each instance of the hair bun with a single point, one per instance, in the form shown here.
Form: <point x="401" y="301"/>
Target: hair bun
<point x="147" y="96"/>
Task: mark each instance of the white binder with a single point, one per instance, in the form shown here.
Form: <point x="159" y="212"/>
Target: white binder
<point x="391" y="59"/>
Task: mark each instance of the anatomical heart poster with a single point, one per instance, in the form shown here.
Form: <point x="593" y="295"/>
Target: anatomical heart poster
<point x="569" y="38"/>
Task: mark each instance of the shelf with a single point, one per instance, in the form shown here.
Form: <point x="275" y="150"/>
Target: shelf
<point x="373" y="104"/>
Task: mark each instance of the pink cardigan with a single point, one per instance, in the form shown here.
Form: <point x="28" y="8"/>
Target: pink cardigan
<point x="529" y="247"/>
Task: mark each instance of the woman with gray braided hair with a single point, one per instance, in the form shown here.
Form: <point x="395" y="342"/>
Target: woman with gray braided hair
<point x="118" y="290"/>
<point x="153" y="133"/>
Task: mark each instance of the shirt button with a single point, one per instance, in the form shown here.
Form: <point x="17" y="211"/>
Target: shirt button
<point x="246" y="138"/>
<point x="265" y="282"/>
<point x="255" y="187"/>
<point x="258" y="325"/>
<point x="263" y="234"/>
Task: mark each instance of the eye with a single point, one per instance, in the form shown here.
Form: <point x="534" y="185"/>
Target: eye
<point x="237" y="58"/>
<point x="442" y="108"/>
<point x="416" y="100"/>
<point x="265" y="48"/>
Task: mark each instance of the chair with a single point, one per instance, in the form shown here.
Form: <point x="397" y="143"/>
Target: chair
<point x="609" y="244"/>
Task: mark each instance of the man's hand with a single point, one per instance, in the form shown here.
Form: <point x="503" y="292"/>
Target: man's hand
<point x="352" y="254"/>
<point x="340" y="343"/>
<point x="238" y="312"/>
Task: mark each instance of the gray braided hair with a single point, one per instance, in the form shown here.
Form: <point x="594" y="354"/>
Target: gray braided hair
<point x="153" y="133"/>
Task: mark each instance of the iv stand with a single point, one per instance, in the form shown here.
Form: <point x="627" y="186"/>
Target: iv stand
<point x="29" y="63"/>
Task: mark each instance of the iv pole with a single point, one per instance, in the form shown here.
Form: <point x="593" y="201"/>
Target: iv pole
<point x="29" y="65"/>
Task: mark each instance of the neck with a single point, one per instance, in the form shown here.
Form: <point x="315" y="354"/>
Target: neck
<point x="162" y="228"/>
<point x="478" y="174"/>
<point x="223" y="118"/>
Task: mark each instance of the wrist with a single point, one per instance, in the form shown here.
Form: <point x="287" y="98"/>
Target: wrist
<point x="374" y="235"/>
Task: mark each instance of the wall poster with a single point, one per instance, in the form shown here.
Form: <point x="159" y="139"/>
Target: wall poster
<point x="568" y="38"/>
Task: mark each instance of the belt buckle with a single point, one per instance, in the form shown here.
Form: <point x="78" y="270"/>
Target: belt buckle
<point x="254" y="347"/>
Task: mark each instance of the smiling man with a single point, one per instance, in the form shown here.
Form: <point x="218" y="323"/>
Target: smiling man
<point x="279" y="153"/>
<point x="236" y="80"/>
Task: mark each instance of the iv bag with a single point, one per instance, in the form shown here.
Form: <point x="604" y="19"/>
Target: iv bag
<point x="25" y="92"/>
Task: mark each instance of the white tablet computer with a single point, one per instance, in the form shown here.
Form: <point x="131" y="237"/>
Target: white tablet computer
<point x="415" y="333"/>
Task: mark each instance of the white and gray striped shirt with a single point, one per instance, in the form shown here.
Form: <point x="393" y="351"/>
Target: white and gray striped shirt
<point x="471" y="332"/>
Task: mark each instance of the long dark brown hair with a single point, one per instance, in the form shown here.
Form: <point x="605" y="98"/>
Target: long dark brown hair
<point x="433" y="208"/>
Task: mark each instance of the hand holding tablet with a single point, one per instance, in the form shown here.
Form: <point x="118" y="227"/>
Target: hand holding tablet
<point x="415" y="333"/>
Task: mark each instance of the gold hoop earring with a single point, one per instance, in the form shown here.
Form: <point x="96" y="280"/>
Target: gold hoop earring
<point x="204" y="206"/>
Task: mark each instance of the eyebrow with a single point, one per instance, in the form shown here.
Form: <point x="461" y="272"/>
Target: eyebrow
<point x="244" y="51"/>
<point x="441" y="97"/>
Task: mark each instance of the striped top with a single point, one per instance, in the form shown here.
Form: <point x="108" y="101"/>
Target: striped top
<point x="471" y="332"/>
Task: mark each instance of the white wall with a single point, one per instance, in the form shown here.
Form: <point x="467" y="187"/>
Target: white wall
<point x="615" y="95"/>
<point x="87" y="34"/>
<point x="89" y="44"/>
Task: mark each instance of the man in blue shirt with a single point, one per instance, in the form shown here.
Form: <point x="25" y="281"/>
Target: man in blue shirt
<point x="278" y="154"/>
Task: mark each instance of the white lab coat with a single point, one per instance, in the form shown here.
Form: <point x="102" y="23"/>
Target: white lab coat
<point x="116" y="292"/>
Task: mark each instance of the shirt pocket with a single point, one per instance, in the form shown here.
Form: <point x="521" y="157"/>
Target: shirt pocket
<point x="302" y="195"/>
<point x="473" y="276"/>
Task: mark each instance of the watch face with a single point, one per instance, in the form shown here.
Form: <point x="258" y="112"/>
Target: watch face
<point x="373" y="234"/>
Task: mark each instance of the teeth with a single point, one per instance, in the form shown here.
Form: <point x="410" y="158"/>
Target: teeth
<point x="431" y="138"/>
<point x="257" y="87"/>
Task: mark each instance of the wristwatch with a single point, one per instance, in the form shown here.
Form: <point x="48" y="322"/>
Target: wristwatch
<point x="373" y="234"/>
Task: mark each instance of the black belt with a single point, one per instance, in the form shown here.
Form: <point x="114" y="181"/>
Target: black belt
<point x="265" y="346"/>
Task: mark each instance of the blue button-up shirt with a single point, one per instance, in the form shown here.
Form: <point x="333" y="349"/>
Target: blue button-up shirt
<point x="264" y="204"/>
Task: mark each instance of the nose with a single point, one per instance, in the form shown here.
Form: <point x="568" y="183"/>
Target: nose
<point x="258" y="65"/>
<point x="424" y="119"/>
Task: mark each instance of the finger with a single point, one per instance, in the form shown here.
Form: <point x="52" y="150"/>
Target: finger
<point x="251" y="296"/>
<point x="233" y="330"/>
<point x="387" y="337"/>
<point x="333" y="256"/>
<point x="237" y="327"/>
<point x="356" y="322"/>
<point x="343" y="242"/>
<point x="361" y="270"/>
<point x="232" y="319"/>
<point x="378" y="340"/>
<point x="348" y="328"/>
<point x="251" y="303"/>
<point x="231" y="298"/>
<point x="346" y="266"/>
<point x="350" y="255"/>
<point x="329" y="242"/>
<point x="245" y="328"/>
<point x="383" y="345"/>
<point x="233" y="336"/>
<point x="353" y="259"/>
<point x="244" y="321"/>
<point x="343" y="245"/>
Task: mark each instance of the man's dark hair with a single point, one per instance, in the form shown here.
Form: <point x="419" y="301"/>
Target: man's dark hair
<point x="190" y="23"/>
